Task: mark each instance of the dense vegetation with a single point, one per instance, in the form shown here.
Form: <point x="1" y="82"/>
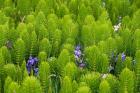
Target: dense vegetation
<point x="69" y="46"/>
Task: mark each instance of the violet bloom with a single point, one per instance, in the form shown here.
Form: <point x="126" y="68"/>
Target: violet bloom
<point x="36" y="71"/>
<point x="82" y="65"/>
<point x="78" y="47"/>
<point x="31" y="64"/>
<point x="77" y="53"/>
<point x="123" y="56"/>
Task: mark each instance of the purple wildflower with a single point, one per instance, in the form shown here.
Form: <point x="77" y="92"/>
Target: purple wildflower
<point x="78" y="47"/>
<point x="78" y="53"/>
<point x="36" y="71"/>
<point x="31" y="64"/>
<point x="123" y="56"/>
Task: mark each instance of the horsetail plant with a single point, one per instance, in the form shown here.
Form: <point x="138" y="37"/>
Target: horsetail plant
<point x="8" y="81"/>
<point x="13" y="87"/>
<point x="104" y="87"/>
<point x="19" y="51"/>
<point x="44" y="72"/>
<point x="66" y="85"/>
<point x="126" y="81"/>
<point x="45" y="46"/>
<point x="84" y="89"/>
<point x="137" y="70"/>
<point x="31" y="85"/>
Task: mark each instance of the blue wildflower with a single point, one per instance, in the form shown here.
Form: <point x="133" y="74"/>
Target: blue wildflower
<point x="123" y="56"/>
<point x="36" y="71"/>
<point x="32" y="64"/>
<point x="78" y="47"/>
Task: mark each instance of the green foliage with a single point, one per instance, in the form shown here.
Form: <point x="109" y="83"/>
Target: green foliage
<point x="40" y="22"/>
<point x="111" y="46"/>
<point x="42" y="56"/>
<point x="6" y="54"/>
<point x="119" y="65"/>
<point x="19" y="48"/>
<point x="3" y="17"/>
<point x="83" y="89"/>
<point x="63" y="59"/>
<point x="31" y="85"/>
<point x="66" y="86"/>
<point x="8" y="80"/>
<point x="93" y="80"/>
<point x="1" y="71"/>
<point x="135" y="22"/>
<point x="42" y="6"/>
<point x="104" y="87"/>
<point x="70" y="70"/>
<point x="62" y="10"/>
<point x="96" y="8"/>
<point x="34" y="44"/>
<point x="128" y="63"/>
<point x="2" y="35"/>
<point x="13" y="87"/>
<point x="23" y="7"/>
<point x="113" y="82"/>
<point x="52" y="25"/>
<point x="26" y="38"/>
<point x="45" y="46"/>
<point x="56" y="42"/>
<point x="119" y="44"/>
<point x="87" y="35"/>
<point x="137" y="39"/>
<point x="124" y="7"/>
<point x="10" y="70"/>
<point x="137" y="71"/>
<point x="127" y="40"/>
<point x="92" y="55"/>
<point x="126" y="81"/>
<point x="104" y="64"/>
<point x="44" y="72"/>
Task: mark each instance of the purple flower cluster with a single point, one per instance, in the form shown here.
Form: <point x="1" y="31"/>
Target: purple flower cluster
<point x="32" y="65"/>
<point x="78" y="57"/>
<point x="123" y="56"/>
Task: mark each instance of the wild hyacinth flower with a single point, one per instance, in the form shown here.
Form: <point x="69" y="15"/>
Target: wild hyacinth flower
<point x="78" y="57"/>
<point x="123" y="56"/>
<point x="36" y="71"/>
<point x="32" y="65"/>
<point x="82" y="65"/>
